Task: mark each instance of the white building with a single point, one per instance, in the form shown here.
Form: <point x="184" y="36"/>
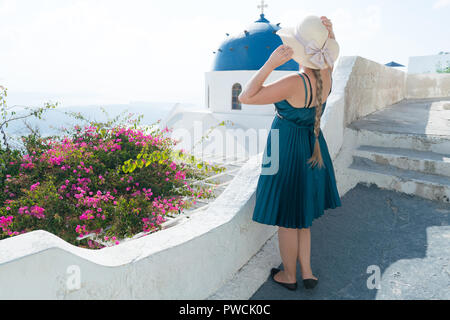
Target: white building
<point x="429" y="64"/>
<point x="234" y="63"/>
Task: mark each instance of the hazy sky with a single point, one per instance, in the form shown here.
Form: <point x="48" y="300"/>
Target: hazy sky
<point x="108" y="51"/>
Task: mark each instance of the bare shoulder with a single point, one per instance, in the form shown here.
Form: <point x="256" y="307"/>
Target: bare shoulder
<point x="292" y="78"/>
<point x="282" y="88"/>
<point x="293" y="83"/>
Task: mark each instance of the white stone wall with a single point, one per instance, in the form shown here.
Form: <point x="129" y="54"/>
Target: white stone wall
<point x="428" y="86"/>
<point x="187" y="261"/>
<point x="372" y="87"/>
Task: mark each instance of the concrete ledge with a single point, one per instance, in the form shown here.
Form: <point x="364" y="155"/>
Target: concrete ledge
<point x="407" y="159"/>
<point x="433" y="143"/>
<point x="188" y="261"/>
<point x="432" y="187"/>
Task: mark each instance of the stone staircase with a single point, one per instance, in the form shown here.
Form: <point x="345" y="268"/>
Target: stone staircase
<point x="406" y="148"/>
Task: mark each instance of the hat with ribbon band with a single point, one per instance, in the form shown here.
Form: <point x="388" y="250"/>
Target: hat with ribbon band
<point x="310" y="42"/>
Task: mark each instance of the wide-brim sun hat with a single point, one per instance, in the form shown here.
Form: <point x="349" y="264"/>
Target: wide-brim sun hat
<point x="310" y="42"/>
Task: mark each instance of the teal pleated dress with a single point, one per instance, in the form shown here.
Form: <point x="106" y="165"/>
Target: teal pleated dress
<point x="296" y="193"/>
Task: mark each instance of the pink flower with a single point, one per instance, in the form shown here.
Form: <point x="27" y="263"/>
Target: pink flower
<point x="80" y="230"/>
<point x="34" y="186"/>
<point x="5" y="222"/>
<point x="36" y="211"/>
<point x="180" y="175"/>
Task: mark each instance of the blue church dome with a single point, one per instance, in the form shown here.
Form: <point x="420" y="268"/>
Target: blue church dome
<point x="250" y="49"/>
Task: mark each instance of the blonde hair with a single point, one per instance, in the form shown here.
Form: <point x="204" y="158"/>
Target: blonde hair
<point x="316" y="158"/>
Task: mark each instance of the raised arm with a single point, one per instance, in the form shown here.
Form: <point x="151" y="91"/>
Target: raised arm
<point x="255" y="92"/>
<point x="329" y="25"/>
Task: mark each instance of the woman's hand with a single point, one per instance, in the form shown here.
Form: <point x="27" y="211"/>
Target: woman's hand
<point x="280" y="56"/>
<point x="327" y="23"/>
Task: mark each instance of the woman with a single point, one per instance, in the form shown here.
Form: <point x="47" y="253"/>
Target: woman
<point x="304" y="184"/>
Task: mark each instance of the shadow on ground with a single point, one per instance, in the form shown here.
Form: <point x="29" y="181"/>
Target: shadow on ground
<point x="407" y="237"/>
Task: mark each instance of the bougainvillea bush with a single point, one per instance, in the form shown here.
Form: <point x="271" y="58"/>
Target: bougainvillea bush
<point x="99" y="184"/>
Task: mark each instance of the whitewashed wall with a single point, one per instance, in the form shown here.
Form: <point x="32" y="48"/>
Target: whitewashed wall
<point x="428" y="86"/>
<point x="220" y="84"/>
<point x="187" y="261"/>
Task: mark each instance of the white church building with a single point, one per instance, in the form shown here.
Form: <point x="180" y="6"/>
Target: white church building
<point x="235" y="62"/>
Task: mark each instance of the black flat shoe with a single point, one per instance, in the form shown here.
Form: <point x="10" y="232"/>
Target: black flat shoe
<point x="290" y="286"/>
<point x="310" y="283"/>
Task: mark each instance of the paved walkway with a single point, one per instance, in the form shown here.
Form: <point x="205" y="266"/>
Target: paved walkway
<point x="416" y="116"/>
<point x="406" y="237"/>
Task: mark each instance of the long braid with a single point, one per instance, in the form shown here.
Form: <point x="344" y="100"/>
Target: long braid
<point x="316" y="157"/>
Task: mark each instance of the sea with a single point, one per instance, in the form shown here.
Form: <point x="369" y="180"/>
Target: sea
<point x="53" y="119"/>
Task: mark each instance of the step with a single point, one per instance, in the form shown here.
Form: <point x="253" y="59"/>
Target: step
<point x="414" y="141"/>
<point x="407" y="159"/>
<point x="428" y="186"/>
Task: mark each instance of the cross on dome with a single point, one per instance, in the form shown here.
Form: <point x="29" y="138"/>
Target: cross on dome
<point x="250" y="49"/>
<point x="262" y="6"/>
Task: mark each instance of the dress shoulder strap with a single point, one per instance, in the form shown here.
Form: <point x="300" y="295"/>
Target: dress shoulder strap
<point x="306" y="90"/>
<point x="331" y="86"/>
<point x="310" y="90"/>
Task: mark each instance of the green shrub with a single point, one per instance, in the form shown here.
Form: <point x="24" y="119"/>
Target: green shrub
<point x="97" y="184"/>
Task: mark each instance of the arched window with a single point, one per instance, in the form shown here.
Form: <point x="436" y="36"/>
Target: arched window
<point x="236" y="91"/>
